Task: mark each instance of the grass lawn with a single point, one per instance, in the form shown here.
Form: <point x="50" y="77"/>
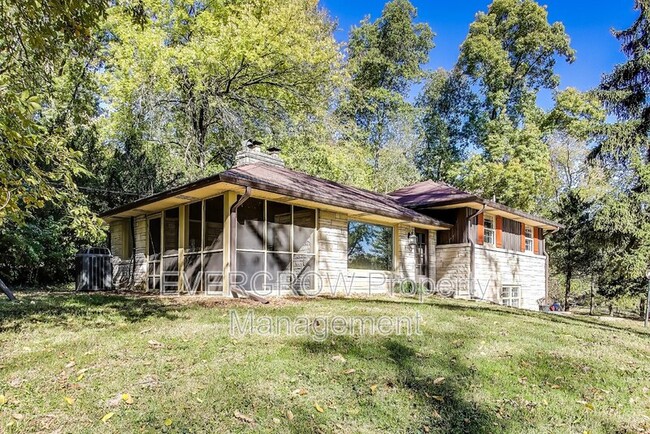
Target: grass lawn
<point x="147" y="364"/>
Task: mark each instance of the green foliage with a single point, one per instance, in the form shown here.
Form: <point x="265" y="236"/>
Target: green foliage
<point x="385" y="58"/>
<point x="41" y="249"/>
<point x="623" y="217"/>
<point x="196" y="78"/>
<point x="450" y="123"/>
<point x="43" y="101"/>
<point x="510" y="53"/>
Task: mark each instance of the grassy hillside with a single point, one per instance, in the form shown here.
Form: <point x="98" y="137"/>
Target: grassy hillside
<point x="169" y="365"/>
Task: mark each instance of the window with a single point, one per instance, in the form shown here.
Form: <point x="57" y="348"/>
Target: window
<point x="510" y="295"/>
<point x="488" y="230"/>
<point x="529" y="239"/>
<point x="370" y="247"/>
<point x="127" y="240"/>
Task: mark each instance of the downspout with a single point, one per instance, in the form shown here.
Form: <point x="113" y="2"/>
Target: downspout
<point x="472" y="248"/>
<point x="132" y="277"/>
<point x="234" y="290"/>
<point x="547" y="272"/>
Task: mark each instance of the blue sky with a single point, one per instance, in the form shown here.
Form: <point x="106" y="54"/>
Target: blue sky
<point x="588" y="23"/>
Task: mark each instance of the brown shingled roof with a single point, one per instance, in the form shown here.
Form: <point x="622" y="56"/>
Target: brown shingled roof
<point x="432" y="194"/>
<point x="280" y="180"/>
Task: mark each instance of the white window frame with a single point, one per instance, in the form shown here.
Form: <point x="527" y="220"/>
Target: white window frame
<point x="489" y="233"/>
<point x="530" y="239"/>
<point x="507" y="298"/>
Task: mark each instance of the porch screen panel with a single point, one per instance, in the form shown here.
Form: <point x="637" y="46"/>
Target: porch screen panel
<point x="170" y="235"/>
<point x="304" y="230"/>
<point x="278" y="265"/>
<point x="212" y="282"/>
<point x="250" y="265"/>
<point x="194" y="214"/>
<point x="170" y="253"/>
<point x="153" y="265"/>
<point x="214" y="224"/>
<point x="279" y="227"/>
<point x="192" y="280"/>
<point x="250" y="225"/>
<point x="213" y="272"/>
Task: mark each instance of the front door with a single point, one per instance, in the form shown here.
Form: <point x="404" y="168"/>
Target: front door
<point x="422" y="254"/>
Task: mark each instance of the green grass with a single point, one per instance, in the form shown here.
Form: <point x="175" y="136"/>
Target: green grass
<point x="503" y="370"/>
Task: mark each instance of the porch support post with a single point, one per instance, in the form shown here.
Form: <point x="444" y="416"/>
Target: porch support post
<point x="229" y="199"/>
<point x="182" y="231"/>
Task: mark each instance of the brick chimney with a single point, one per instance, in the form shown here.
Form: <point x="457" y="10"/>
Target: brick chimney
<point x="251" y="152"/>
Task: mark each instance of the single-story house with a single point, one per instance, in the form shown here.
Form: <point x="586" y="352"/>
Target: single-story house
<point x="261" y="228"/>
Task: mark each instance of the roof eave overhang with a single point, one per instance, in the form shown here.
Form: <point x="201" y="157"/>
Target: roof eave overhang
<point x="497" y="209"/>
<point x="187" y="193"/>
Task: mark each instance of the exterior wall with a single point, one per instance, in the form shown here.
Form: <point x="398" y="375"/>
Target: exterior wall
<point x="496" y="267"/>
<point x="453" y="268"/>
<point x="493" y="268"/>
<point x="122" y="262"/>
<point x="433" y="236"/>
<point x="333" y="259"/>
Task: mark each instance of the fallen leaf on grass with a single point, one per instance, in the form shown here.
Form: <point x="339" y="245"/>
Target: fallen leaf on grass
<point x="70" y="364"/>
<point x="107" y="416"/>
<point x="435" y="414"/>
<point x="18" y="416"/>
<point x="289" y="415"/>
<point x="438" y="398"/>
<point x="302" y="391"/>
<point x="243" y="417"/>
<point x="80" y="377"/>
<point x="338" y="358"/>
<point x="318" y="408"/>
<point x="168" y="422"/>
<point x="276" y="420"/>
<point x="439" y="380"/>
<point x="127" y="398"/>
<point x="3" y="400"/>
<point x="349" y="371"/>
<point x="373" y="388"/>
<point x="555" y="386"/>
<point x="155" y="344"/>
<point x="69" y="400"/>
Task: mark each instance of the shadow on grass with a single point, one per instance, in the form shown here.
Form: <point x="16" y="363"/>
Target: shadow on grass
<point x="74" y="309"/>
<point x="454" y="305"/>
<point x="443" y="404"/>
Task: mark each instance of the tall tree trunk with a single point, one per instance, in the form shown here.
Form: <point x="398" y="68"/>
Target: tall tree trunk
<point x="591" y="297"/>
<point x="7" y="291"/>
<point x="567" y="288"/>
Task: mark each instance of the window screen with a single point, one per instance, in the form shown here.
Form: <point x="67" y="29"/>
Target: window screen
<point x="171" y="232"/>
<point x="279" y="227"/>
<point x="214" y="223"/>
<point x="194" y="212"/>
<point x="250" y="225"/>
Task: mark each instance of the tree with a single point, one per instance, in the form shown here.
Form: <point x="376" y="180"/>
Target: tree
<point x="197" y="78"/>
<point x="450" y="123"/>
<point x="385" y="58"/>
<point x="624" y="216"/>
<point x="510" y="54"/>
<point x="45" y="52"/>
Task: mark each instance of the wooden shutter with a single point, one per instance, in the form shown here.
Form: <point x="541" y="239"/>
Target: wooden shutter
<point x="523" y="237"/>
<point x="536" y="240"/>
<point x="499" y="224"/>
<point x="480" y="229"/>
